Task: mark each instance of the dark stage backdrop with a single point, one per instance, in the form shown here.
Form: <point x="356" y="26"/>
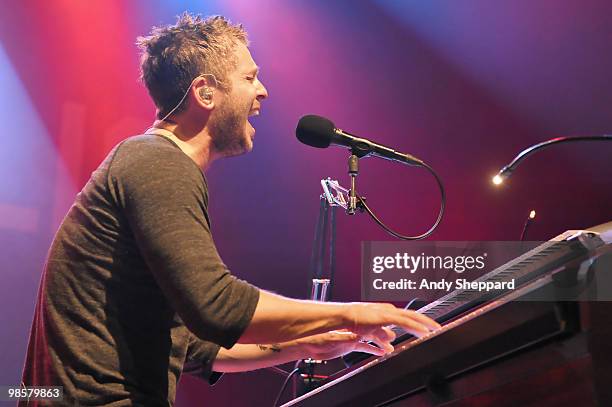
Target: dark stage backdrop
<point x="463" y="85"/>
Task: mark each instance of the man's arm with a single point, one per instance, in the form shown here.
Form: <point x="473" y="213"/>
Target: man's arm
<point x="324" y="346"/>
<point x="280" y="319"/>
<point x="242" y="358"/>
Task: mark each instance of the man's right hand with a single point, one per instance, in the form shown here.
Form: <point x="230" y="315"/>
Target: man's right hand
<point x="371" y="321"/>
<point x="280" y="319"/>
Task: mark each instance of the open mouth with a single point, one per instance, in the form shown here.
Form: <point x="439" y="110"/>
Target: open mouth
<point x="252" y="113"/>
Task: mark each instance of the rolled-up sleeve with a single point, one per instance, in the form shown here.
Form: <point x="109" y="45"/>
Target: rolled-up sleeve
<point x="200" y="358"/>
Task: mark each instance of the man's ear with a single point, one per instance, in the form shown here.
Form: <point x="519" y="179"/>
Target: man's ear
<point x="206" y="94"/>
<point x="205" y="91"/>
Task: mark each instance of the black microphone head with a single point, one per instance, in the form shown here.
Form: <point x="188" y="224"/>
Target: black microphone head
<point x="315" y="131"/>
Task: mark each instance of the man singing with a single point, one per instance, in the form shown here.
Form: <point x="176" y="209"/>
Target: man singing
<point x="134" y="291"/>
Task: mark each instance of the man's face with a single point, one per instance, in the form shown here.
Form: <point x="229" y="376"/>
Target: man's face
<point x="231" y="132"/>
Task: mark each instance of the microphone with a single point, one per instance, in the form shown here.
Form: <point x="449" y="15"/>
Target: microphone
<point x="319" y="132"/>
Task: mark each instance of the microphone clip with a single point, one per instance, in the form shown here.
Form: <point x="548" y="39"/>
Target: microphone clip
<point x="336" y="195"/>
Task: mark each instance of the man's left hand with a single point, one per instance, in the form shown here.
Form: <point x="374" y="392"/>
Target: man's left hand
<point x="334" y="344"/>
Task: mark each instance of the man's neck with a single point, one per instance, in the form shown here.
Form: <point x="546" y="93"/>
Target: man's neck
<point x="193" y="141"/>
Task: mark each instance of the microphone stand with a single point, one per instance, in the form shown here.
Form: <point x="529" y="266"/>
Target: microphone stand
<point x="325" y="235"/>
<point x="321" y="288"/>
<point x="353" y="170"/>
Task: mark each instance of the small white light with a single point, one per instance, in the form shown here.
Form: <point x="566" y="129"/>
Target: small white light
<point x="498" y="179"/>
<point x="532" y="214"/>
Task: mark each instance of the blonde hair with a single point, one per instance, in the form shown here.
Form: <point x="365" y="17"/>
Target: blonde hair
<point x="173" y="55"/>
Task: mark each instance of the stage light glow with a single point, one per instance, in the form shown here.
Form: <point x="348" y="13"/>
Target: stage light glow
<point x="532" y="214"/>
<point x="498" y="179"/>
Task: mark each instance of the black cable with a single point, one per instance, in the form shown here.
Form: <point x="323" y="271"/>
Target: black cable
<point x="363" y="204"/>
<point x="280" y="393"/>
<point x="278" y="370"/>
<point x="524" y="231"/>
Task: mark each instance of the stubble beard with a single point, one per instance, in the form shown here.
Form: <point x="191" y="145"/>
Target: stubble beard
<point x="228" y="130"/>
